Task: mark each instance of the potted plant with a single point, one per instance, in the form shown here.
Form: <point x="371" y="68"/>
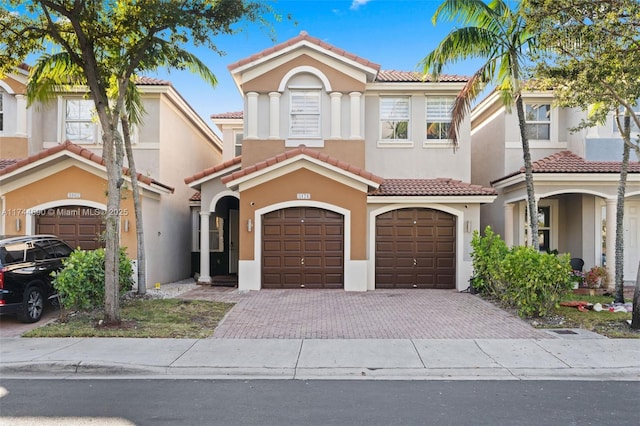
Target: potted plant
<point x="577" y="278"/>
<point x="594" y="277"/>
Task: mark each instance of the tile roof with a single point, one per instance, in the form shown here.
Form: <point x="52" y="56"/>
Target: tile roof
<point x="228" y="115"/>
<point x="197" y="196"/>
<point x="303" y="36"/>
<point x="212" y="170"/>
<point x="429" y="187"/>
<point x="150" y="81"/>
<point x="568" y="162"/>
<point x="302" y="150"/>
<point x="393" y="76"/>
<point x="80" y="151"/>
<point x="6" y="162"/>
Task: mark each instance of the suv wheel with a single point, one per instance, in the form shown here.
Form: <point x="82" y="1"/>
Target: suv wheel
<point x="32" y="305"/>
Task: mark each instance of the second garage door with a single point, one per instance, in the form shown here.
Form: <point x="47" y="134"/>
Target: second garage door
<point x="415" y="248"/>
<point x="302" y="247"/>
<point x="78" y="226"/>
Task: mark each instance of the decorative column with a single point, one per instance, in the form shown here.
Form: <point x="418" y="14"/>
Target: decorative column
<point x="336" y="113"/>
<point x="252" y="115"/>
<point x="355" y="115"/>
<point x="610" y="251"/>
<point x="21" y="109"/>
<point x="274" y="115"/>
<point x="508" y="224"/>
<point x="205" y="277"/>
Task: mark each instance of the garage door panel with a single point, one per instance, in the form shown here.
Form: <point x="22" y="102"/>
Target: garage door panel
<point x="310" y="233"/>
<point x="414" y="247"/>
<point x="77" y="225"/>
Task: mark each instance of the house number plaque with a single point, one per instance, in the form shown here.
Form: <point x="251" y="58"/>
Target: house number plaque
<point x="303" y="196"/>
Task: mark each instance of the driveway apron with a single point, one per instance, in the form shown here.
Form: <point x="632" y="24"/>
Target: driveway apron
<point x="379" y="314"/>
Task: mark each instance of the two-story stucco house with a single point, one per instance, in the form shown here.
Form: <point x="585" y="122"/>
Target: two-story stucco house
<point x="53" y="180"/>
<point x="345" y="179"/>
<point x="576" y="179"/>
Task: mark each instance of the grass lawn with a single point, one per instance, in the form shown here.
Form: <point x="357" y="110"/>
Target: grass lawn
<point x="172" y="318"/>
<point x="610" y="324"/>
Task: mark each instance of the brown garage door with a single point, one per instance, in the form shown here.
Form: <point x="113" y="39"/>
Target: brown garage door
<point x="415" y="248"/>
<point x="302" y="247"/>
<point x="78" y="226"/>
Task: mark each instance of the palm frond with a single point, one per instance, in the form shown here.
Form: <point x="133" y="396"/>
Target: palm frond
<point x="51" y="75"/>
<point x="464" y="99"/>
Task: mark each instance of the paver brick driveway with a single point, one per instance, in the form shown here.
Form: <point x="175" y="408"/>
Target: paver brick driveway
<point x="379" y="314"/>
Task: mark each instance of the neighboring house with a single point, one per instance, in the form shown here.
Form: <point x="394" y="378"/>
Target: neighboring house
<point x="67" y="180"/>
<point x="576" y="179"/>
<point x="346" y="178"/>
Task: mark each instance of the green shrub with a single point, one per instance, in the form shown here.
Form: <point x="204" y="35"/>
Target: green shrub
<point x="487" y="255"/>
<point x="535" y="280"/>
<point x="80" y="284"/>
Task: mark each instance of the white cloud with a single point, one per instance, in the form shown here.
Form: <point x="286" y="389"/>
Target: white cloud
<point x="355" y="4"/>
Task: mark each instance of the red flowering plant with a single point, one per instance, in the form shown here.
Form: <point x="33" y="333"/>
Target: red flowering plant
<point x="595" y="276"/>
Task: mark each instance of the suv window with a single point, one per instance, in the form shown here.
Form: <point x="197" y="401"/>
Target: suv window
<point x="13" y="253"/>
<point x="36" y="253"/>
<point x="59" y="249"/>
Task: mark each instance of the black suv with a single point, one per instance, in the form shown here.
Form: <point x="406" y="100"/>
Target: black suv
<point x="26" y="264"/>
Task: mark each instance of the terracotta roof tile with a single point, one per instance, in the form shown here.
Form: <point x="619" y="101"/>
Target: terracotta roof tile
<point x="80" y="151"/>
<point x="212" y="170"/>
<point x="150" y="81"/>
<point x="229" y="115"/>
<point x="302" y="150"/>
<point x="6" y="162"/>
<point x="303" y="36"/>
<point x="429" y="187"/>
<point x="568" y="162"/>
<point x="393" y="76"/>
<point x="196" y="197"/>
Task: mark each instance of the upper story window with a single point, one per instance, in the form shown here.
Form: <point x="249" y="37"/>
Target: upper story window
<point x="538" y="121"/>
<point x="305" y="114"/>
<point x="394" y="118"/>
<point x="79" y="123"/>
<point x="1" y="111"/>
<point x="439" y="116"/>
<point x="237" y="142"/>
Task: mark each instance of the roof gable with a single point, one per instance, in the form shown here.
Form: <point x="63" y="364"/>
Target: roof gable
<point x="69" y="149"/>
<point x="302" y="155"/>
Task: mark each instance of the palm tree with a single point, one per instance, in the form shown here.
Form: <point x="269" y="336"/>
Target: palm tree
<point x="492" y="32"/>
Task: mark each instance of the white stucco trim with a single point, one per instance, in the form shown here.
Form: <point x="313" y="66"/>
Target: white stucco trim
<point x="8" y="90"/>
<point x="30" y="222"/>
<point x="462" y="269"/>
<point x="305" y="69"/>
<point x="221" y="195"/>
<point x="250" y="271"/>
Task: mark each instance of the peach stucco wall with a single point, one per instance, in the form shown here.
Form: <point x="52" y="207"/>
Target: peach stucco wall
<point x="56" y="187"/>
<point x="350" y="151"/>
<point x="14" y="147"/>
<point x="269" y="81"/>
<point x="321" y="188"/>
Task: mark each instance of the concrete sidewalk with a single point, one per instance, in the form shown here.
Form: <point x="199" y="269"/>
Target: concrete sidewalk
<point x="406" y="359"/>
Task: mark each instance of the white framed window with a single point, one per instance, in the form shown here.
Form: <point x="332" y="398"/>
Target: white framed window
<point x="538" y="121"/>
<point x="1" y="111"/>
<point x="304" y="116"/>
<point x="439" y="116"/>
<point x="237" y="142"/>
<point x="216" y="233"/>
<point x="394" y="118"/>
<point x="79" y="123"/>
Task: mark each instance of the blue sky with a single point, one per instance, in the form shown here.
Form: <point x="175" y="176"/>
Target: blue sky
<point x="396" y="34"/>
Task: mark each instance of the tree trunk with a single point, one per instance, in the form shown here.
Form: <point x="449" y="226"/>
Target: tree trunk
<point x="622" y="188"/>
<point x="528" y="174"/>
<point x="141" y="273"/>
<point x="112" y="238"/>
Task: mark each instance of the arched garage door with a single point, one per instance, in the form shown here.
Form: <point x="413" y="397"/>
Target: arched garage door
<point x="415" y="248"/>
<point x="302" y="247"/>
<point x="78" y="226"/>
